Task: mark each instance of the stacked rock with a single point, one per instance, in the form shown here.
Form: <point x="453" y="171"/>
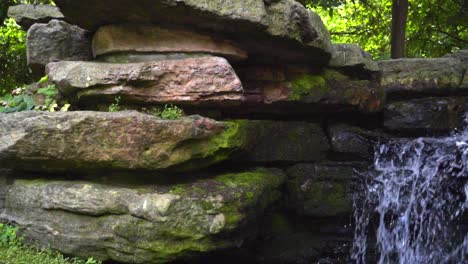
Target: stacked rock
<point x="298" y="117"/>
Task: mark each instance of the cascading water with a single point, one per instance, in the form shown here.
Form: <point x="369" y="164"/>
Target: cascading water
<point x="413" y="203"/>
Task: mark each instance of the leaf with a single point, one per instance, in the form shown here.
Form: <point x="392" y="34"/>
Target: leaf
<point x="43" y="79"/>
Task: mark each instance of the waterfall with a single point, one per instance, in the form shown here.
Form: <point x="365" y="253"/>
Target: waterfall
<point x="413" y="203"/>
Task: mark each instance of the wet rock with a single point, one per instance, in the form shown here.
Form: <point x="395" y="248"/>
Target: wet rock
<point x="422" y="76"/>
<point x="284" y="30"/>
<point x="151" y="39"/>
<point x="354" y="142"/>
<point x="204" y="80"/>
<point x="141" y="224"/>
<point x="278" y="141"/>
<point x="45" y="141"/>
<point x="354" y="58"/>
<point x="432" y="114"/>
<point x="323" y="189"/>
<point x="56" y="41"/>
<point x="27" y="15"/>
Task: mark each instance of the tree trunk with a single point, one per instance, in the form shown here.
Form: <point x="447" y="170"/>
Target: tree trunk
<point x="399" y="16"/>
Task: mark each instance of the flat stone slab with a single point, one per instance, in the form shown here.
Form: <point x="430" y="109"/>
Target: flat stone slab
<point x="68" y="141"/>
<point x="283" y="30"/>
<point x="143" y="223"/>
<point x="151" y="39"/>
<point x="201" y="80"/>
<point x="422" y="76"/>
<point x="353" y="57"/>
<point x="27" y="15"/>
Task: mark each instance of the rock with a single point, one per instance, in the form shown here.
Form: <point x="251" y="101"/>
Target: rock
<point x="27" y="15"/>
<point x="432" y="114"/>
<point x="277" y="141"/>
<point x="321" y="190"/>
<point x="353" y="58"/>
<point x="141" y="224"/>
<point x="45" y="141"/>
<point x="326" y="89"/>
<point x="288" y="239"/>
<point x="56" y="41"/>
<point x="204" y="80"/>
<point x="421" y="76"/>
<point x="151" y="39"/>
<point x="3" y="188"/>
<point x="354" y="142"/>
<point x="284" y="30"/>
<point x="461" y="55"/>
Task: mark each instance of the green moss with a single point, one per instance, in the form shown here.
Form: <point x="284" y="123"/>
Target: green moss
<point x="306" y="84"/>
<point x="216" y="149"/>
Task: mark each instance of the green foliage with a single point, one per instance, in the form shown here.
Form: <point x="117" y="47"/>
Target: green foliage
<point x="434" y="27"/>
<point x="115" y="107"/>
<point x="14" y="71"/>
<point x="169" y="112"/>
<point x="19" y="100"/>
<point x="12" y="251"/>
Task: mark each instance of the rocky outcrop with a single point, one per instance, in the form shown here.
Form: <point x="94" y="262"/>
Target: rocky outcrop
<point x="122" y="140"/>
<point x="141" y="224"/>
<point x="354" y="58"/>
<point x="151" y="39"/>
<point x="432" y="114"/>
<point x="422" y="76"/>
<point x="56" y="41"/>
<point x="27" y="15"/>
<point x="202" y="80"/>
<point x="284" y="30"/>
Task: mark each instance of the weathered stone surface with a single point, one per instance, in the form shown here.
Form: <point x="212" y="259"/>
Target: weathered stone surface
<point x="328" y="88"/>
<point x="121" y="140"/>
<point x="321" y="189"/>
<point x="353" y="57"/>
<point x="27" y="15"/>
<point x="431" y="76"/>
<point x="283" y="30"/>
<point x="431" y="114"/>
<point x="195" y="81"/>
<point x="354" y="142"/>
<point x="152" y="39"/>
<point x="144" y="223"/>
<point x="56" y="41"/>
<point x="279" y="141"/>
<point x="3" y="188"/>
<point x="461" y="55"/>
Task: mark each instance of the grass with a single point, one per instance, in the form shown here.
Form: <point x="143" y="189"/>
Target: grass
<point x="13" y="251"/>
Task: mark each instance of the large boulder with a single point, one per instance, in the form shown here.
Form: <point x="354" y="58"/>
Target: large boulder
<point x="151" y="39"/>
<point x="422" y="76"/>
<point x="432" y="114"/>
<point x="27" y="15"/>
<point x="283" y="30"/>
<point x="56" y="41"/>
<point x="353" y="58"/>
<point x="145" y="223"/>
<point x="121" y="140"/>
<point x="204" y="80"/>
<point x="323" y="189"/>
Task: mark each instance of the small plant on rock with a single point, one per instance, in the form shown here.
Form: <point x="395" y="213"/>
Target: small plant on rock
<point x="168" y="112"/>
<point x="115" y="107"/>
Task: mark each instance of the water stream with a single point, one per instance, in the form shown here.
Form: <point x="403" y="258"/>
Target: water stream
<point x="413" y="205"/>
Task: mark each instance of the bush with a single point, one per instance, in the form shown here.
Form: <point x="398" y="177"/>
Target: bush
<point x="14" y="71"/>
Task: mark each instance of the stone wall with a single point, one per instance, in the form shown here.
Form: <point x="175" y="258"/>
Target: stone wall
<point x="279" y="125"/>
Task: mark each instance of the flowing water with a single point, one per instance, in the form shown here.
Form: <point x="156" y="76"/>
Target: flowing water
<point x="412" y="207"/>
